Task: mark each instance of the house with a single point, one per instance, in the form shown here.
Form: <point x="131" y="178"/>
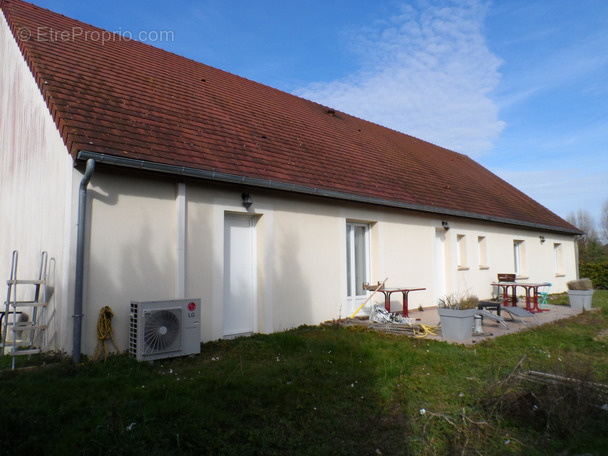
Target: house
<point x="190" y="181"/>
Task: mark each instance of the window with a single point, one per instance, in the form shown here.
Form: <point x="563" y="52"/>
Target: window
<point x="519" y="257"/>
<point x="357" y="258"/>
<point x="483" y="253"/>
<point x="461" y="251"/>
<point x="557" y="259"/>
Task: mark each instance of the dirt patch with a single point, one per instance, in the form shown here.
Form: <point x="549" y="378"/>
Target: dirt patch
<point x="602" y="336"/>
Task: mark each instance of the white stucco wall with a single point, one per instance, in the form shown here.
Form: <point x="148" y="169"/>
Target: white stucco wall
<point x="301" y="254"/>
<point x="35" y="186"/>
<point x="130" y="254"/>
<point x="537" y="258"/>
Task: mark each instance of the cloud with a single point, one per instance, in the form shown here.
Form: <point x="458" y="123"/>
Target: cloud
<point x="562" y="190"/>
<point x="427" y="72"/>
<point x="580" y="66"/>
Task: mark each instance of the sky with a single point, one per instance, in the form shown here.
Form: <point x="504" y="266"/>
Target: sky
<point x="520" y="86"/>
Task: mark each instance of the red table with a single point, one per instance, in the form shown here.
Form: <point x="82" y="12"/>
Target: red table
<point x="531" y="290"/>
<point x="403" y="290"/>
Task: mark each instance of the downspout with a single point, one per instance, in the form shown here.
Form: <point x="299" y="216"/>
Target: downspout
<point x="78" y="293"/>
<point x="180" y="254"/>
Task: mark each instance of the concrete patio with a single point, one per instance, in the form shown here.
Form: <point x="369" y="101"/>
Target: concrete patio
<point x="490" y="328"/>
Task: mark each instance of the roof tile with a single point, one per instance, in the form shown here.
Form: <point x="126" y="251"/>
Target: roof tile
<point x="125" y="98"/>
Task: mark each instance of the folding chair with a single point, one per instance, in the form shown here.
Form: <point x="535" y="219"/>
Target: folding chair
<point x="487" y="314"/>
<point x="543" y="292"/>
<point x="520" y="313"/>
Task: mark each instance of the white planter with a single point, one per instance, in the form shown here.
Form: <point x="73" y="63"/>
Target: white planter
<point x="456" y="324"/>
<point x="580" y="299"/>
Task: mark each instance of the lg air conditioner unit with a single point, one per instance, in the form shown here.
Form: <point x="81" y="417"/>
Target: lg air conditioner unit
<point x="163" y="329"/>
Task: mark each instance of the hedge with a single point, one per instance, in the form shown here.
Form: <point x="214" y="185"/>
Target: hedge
<point x="597" y="272"/>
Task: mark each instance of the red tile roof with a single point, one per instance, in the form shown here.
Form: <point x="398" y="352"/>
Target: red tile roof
<point x="125" y="99"/>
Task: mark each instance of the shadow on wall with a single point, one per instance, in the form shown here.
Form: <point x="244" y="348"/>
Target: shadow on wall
<point x="51" y="309"/>
<point x="131" y="260"/>
<point x="291" y="294"/>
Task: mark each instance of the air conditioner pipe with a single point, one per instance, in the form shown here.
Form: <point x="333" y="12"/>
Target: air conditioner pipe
<point x="78" y="288"/>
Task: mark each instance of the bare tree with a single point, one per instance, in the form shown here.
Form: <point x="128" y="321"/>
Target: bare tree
<point x="583" y="220"/>
<point x="590" y="249"/>
<point x="604" y="222"/>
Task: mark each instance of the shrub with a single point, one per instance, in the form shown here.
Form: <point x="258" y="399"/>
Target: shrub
<point x="597" y="272"/>
<point x="580" y="284"/>
<point x="453" y="301"/>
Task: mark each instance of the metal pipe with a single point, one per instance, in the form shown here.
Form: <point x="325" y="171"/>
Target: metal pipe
<point x="78" y="288"/>
<point x="180" y="254"/>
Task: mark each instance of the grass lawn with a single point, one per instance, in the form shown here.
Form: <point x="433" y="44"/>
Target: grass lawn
<point x="323" y="390"/>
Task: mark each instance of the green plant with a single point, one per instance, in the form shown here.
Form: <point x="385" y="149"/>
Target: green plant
<point x="559" y="299"/>
<point x="453" y="301"/>
<point x="329" y="389"/>
<point x="580" y="284"/>
<point x="597" y="272"/>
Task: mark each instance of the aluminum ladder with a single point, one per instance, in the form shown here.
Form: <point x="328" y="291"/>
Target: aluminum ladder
<point x="22" y="335"/>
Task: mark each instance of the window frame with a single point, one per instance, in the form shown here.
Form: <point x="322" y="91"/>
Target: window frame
<point x="482" y="245"/>
<point x="352" y="279"/>
<point x="519" y="257"/>
<point x="461" y="252"/>
<point x="558" y="259"/>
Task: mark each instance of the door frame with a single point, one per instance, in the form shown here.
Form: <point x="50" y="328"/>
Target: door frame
<point x="252" y="245"/>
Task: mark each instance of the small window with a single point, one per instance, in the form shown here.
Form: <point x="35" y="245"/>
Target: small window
<point x="557" y="259"/>
<point x="461" y="251"/>
<point x="519" y="257"/>
<point x="483" y="252"/>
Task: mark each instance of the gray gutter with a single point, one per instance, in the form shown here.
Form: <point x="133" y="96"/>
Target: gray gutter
<point x="183" y="171"/>
<point x="78" y="293"/>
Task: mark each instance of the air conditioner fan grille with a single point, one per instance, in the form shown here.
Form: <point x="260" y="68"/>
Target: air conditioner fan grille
<point x="162" y="329"/>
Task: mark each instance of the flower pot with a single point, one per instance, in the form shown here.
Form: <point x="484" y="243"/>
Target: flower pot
<point x="456" y="324"/>
<point x="580" y="299"/>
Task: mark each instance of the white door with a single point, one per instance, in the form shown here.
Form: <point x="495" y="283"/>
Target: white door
<point x="239" y="275"/>
<point x="440" y="285"/>
<point x="357" y="264"/>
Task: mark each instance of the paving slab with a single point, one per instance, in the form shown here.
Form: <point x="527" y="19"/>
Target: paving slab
<point x="490" y="327"/>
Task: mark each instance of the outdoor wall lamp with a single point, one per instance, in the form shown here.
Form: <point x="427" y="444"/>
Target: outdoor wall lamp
<point x="247" y="200"/>
<point x="445" y="225"/>
<point x="542" y="239"/>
